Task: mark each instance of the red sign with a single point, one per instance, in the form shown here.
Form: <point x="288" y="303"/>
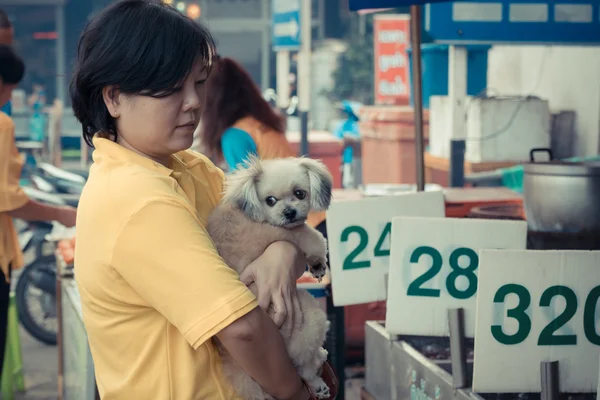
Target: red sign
<point x="391" y="33"/>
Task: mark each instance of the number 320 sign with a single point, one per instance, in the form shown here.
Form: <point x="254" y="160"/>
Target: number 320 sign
<point x="434" y="266"/>
<point x="537" y="306"/>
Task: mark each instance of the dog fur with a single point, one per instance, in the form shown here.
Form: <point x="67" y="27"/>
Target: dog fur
<point x="265" y="202"/>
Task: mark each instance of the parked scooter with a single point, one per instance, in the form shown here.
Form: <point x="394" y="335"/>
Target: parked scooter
<point x="62" y="181"/>
<point x="35" y="291"/>
<point x="36" y="286"/>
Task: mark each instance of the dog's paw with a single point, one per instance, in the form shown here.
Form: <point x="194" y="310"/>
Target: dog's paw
<point x="319" y="388"/>
<point x="321" y="357"/>
<point x="318" y="271"/>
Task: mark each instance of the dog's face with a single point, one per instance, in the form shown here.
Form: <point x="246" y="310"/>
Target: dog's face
<point x="280" y="192"/>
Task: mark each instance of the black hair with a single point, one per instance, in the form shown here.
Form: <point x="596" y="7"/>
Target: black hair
<point x="4" y="20"/>
<point x="143" y="47"/>
<point x="12" y="67"/>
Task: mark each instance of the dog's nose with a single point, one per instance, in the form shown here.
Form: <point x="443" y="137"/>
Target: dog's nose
<point x="290" y="213"/>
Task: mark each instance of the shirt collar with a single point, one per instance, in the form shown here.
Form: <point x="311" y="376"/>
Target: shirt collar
<point x="106" y="148"/>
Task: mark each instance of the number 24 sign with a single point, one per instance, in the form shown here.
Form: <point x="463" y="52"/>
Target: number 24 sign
<point x="434" y="266"/>
<point x="359" y="234"/>
<point x="537" y="306"/>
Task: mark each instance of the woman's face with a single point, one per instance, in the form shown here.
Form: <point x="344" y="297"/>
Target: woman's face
<point x="159" y="127"/>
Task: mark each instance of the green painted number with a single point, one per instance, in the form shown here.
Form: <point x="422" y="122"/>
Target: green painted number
<point x="547" y="336"/>
<point x="468" y="272"/>
<point x="589" y="316"/>
<point x="518" y="313"/>
<point x="379" y="252"/>
<point x="415" y="289"/>
<point x="349" y="262"/>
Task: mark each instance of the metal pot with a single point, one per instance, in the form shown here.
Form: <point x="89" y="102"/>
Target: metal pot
<point x="561" y="196"/>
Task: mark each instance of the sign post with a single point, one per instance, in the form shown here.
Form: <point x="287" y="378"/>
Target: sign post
<point x="537" y="307"/>
<point x="304" y="77"/>
<point x="392" y="39"/>
<point x="286" y="25"/>
<point x="286" y="38"/>
<point x="434" y="267"/>
<point x="598" y="390"/>
<point x="359" y="234"/>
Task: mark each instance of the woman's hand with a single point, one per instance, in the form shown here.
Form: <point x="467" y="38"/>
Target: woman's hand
<point x="275" y="273"/>
<point x="67" y="216"/>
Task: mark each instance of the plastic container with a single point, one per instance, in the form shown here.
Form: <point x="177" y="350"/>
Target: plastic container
<point x="435" y="70"/>
<point x="324" y="146"/>
<point x="388" y="144"/>
<point x="317" y="289"/>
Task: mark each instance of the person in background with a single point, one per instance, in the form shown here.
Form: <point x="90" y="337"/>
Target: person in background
<point x="348" y="131"/>
<point x="237" y="121"/>
<point x="155" y="294"/>
<point x="14" y="203"/>
<point x="6" y="38"/>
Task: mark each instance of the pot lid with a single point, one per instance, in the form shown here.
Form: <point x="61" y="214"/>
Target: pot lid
<point x="563" y="168"/>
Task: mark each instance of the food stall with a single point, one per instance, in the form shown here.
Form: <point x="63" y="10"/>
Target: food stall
<point x="76" y="379"/>
<point x="403" y="251"/>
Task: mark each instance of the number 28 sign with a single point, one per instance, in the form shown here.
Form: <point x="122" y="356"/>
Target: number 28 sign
<point x="434" y="266"/>
<point x="359" y="234"/>
<point x="537" y="306"/>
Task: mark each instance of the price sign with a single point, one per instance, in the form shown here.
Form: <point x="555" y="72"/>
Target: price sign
<point x="391" y="33"/>
<point x="359" y="235"/>
<point x="535" y="306"/>
<point x="434" y="266"/>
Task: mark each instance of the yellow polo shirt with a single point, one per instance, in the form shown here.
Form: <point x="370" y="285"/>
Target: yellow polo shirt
<point x="153" y="289"/>
<point x="12" y="196"/>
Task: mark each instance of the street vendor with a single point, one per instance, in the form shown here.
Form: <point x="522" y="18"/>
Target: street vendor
<point x="14" y="203"/>
<point x="237" y="121"/>
<point x="6" y="37"/>
<point x="155" y="294"/>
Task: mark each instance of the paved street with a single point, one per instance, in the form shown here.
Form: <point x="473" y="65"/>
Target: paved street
<point x="41" y="369"/>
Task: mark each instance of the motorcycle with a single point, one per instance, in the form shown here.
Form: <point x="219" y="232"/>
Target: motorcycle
<point x="35" y="291"/>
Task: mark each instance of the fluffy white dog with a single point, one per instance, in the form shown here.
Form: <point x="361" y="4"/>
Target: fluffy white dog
<point x="265" y="202"/>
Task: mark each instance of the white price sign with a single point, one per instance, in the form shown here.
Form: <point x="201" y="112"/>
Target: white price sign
<point x="535" y="306"/>
<point x="434" y="266"/>
<point x="359" y="242"/>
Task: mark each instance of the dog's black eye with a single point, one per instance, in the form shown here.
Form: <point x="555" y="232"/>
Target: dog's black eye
<point x="300" y="194"/>
<point x="271" y="201"/>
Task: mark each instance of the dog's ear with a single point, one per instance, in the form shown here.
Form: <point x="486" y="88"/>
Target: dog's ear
<point x="321" y="183"/>
<point x="240" y="188"/>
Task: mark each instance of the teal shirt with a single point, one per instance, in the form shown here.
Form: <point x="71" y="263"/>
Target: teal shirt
<point x="7" y="109"/>
<point x="237" y="145"/>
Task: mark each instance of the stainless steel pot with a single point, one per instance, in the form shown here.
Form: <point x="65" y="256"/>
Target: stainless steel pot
<point x="561" y="196"/>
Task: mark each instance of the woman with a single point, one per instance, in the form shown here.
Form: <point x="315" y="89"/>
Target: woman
<point x="6" y="37"/>
<point x="14" y="203"/>
<point x="154" y="292"/>
<point x="238" y="121"/>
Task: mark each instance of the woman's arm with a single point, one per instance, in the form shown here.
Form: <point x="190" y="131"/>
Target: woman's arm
<point x="254" y="341"/>
<point x="257" y="346"/>
<point x="275" y="280"/>
<point x="13" y="199"/>
<point x="35" y="211"/>
<point x="237" y="145"/>
<point x="170" y="261"/>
